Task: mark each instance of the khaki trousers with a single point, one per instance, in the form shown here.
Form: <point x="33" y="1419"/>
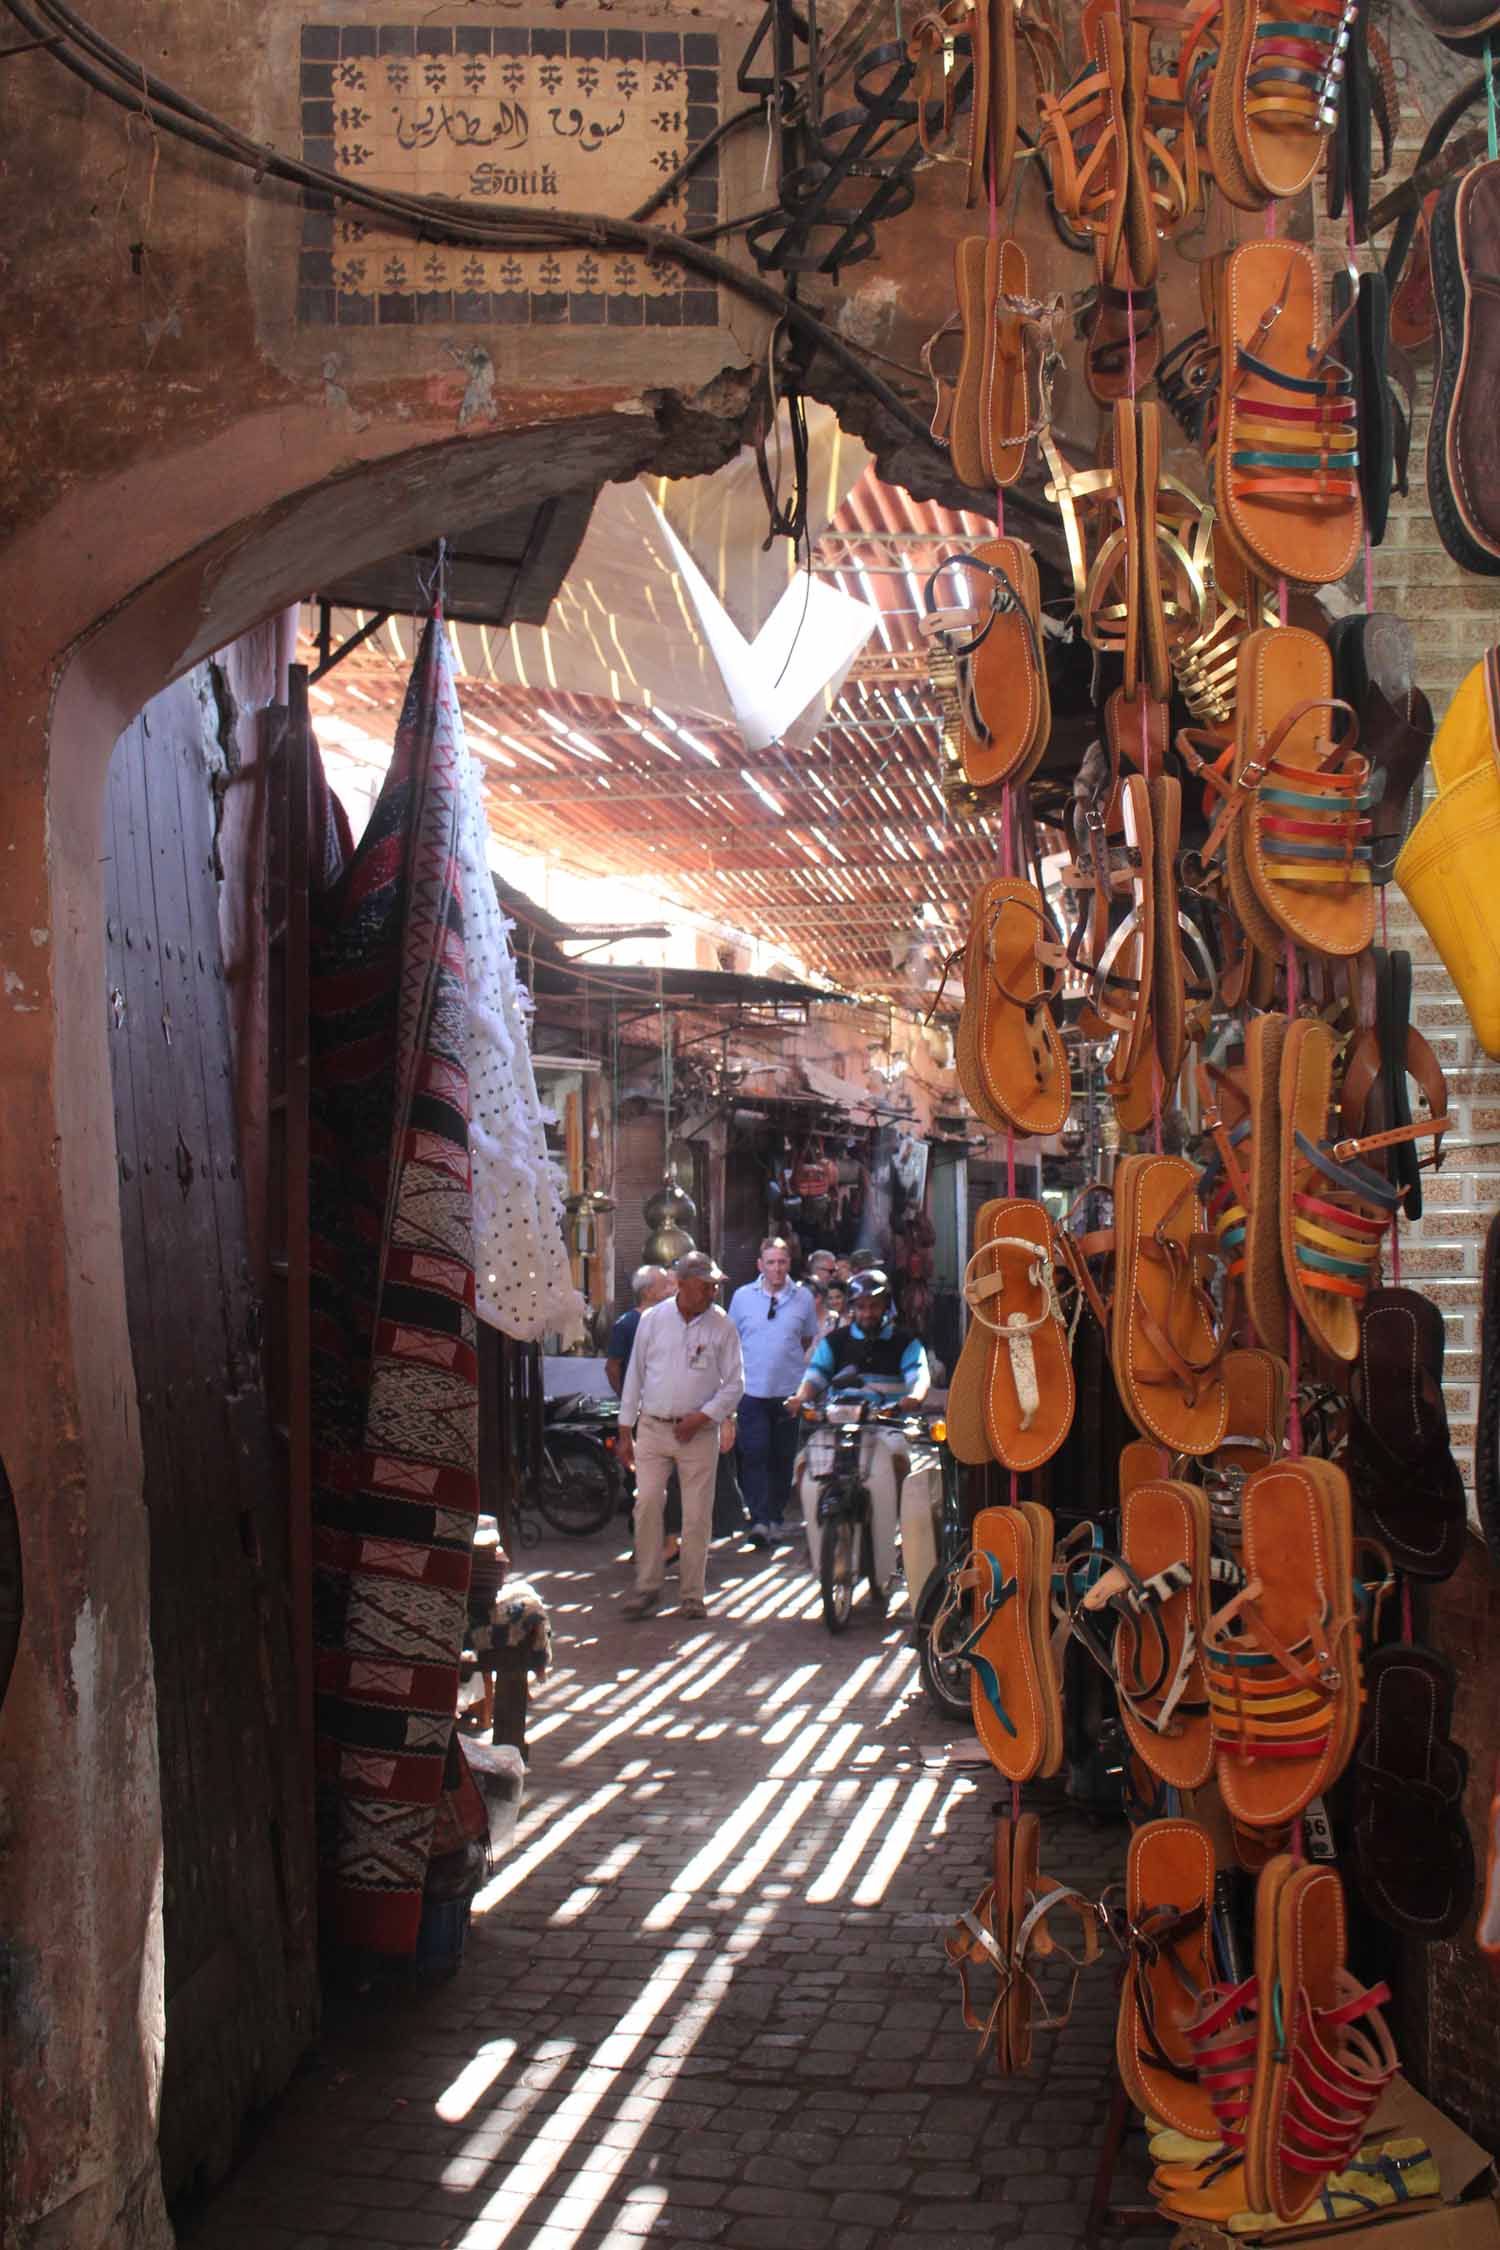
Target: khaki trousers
<point x="657" y="1449"/>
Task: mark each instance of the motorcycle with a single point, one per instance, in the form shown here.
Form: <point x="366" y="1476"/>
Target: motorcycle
<point x="582" y="1482"/>
<point x="845" y="1541"/>
<point x="940" y="1626"/>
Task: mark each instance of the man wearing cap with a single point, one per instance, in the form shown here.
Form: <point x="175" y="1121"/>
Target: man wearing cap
<point x="778" y="1322"/>
<point x="685" y="1379"/>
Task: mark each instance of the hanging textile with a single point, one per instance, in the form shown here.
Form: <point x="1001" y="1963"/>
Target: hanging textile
<point x="523" y="1282"/>
<point x="394" y="1366"/>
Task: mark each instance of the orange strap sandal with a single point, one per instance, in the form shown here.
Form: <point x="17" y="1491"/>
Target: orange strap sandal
<point x="1083" y="132"/>
<point x="1281" y="1656"/>
<point x="1169" y="1883"/>
<point x="1011" y="1291"/>
<point x="1011" y="1062"/>
<point x="1164" y="1344"/>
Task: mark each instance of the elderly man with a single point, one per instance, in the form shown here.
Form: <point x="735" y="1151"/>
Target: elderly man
<point x="778" y="1322"/>
<point x="819" y="1270"/>
<point x="649" y="1285"/>
<point x="684" y="1380"/>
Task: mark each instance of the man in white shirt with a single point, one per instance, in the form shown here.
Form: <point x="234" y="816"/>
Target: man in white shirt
<point x="777" y="1319"/>
<point x="685" y="1379"/>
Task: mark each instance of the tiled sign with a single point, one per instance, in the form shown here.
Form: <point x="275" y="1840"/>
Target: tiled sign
<point x="554" y="119"/>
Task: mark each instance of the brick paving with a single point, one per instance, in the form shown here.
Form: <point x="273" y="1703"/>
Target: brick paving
<point x="704" y="1998"/>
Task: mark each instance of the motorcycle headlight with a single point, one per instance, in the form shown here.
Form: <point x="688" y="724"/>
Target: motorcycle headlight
<point x="939" y="1432"/>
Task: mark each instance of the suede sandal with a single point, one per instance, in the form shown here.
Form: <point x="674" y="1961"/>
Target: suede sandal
<point x="1169" y="1888"/>
<point x="1305" y="804"/>
<point x="1006" y="1684"/>
<point x="1016" y="1322"/>
<point x="1163" y="1343"/>
<point x="1011" y="1062"/>
<point x="1281" y="1656"/>
<point x="1286" y="451"/>
<point x="1413" y="1855"/>
<point x="1407" y="1487"/>
<point x="1324" y="2055"/>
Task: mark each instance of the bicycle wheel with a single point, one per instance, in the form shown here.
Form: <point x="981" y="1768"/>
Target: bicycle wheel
<point x="576" y="1491"/>
<point x="880" y="1598"/>
<point x="945" y="1681"/>
<point x="836" y="1560"/>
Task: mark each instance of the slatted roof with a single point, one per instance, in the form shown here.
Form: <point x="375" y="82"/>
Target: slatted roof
<point x="843" y="854"/>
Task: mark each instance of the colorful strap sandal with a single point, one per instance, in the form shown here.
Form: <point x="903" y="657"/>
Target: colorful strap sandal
<point x="1281" y="1656"/>
<point x="1169" y="1881"/>
<point x="1324" y="2054"/>
<point x="1274" y="99"/>
<point x="1286" y="447"/>
<point x="1335" y="1210"/>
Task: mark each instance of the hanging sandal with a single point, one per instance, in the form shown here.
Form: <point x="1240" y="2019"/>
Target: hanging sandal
<point x="1273" y="104"/>
<point x="1286" y="454"/>
<point x="1007" y="1683"/>
<point x="1163" y="1343"/>
<point x="1083" y="135"/>
<point x="1169" y="1885"/>
<point x="1281" y="1656"/>
<point x="980" y="1941"/>
<point x="1011" y="1062"/>
<point x="1162" y="1572"/>
<point x="1257" y="1385"/>
<point x="1324" y="2054"/>
<point x="986" y="660"/>
<point x="1035" y="1900"/>
<point x="1017" y="1334"/>
<point x="1407" y="1487"/>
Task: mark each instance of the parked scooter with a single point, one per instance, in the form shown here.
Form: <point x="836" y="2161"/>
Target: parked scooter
<point x="582" y="1482"/>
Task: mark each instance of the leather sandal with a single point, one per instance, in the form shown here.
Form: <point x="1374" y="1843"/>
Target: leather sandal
<point x="1011" y="1062"/>
<point x="1273" y="103"/>
<point x="1035" y="1900"/>
<point x="1281" y="1656"/>
<point x="1122" y="331"/>
<point x="1169" y="1886"/>
<point x="1017" y="1329"/>
<point x="1461" y="484"/>
<point x="974" y="261"/>
<point x="1163" y="1343"/>
<point x="1257" y="1385"/>
<point x="1381" y="1059"/>
<point x="1266" y="1295"/>
<point x="1084" y="136"/>
<point x="1374" y="663"/>
<point x="1413" y="1855"/>
<point x="1161" y="1577"/>
<point x="1324" y="2054"/>
<point x="1164" y="192"/>
<point x="1100" y="510"/>
<point x="980" y="1941"/>
<point x="1286" y="453"/>
<point x="1006" y="416"/>
<point x="1010" y="1678"/>
<point x="979" y="654"/>
<point x="1306" y="792"/>
<point x="1407" y="1486"/>
<point x="933" y="48"/>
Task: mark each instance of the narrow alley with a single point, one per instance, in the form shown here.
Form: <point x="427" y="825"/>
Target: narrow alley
<point x="705" y="1997"/>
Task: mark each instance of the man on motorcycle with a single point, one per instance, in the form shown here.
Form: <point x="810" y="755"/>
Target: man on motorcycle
<point x="871" y="1358"/>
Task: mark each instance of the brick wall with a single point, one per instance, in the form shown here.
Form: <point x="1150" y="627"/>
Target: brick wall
<point x="1451" y="2044"/>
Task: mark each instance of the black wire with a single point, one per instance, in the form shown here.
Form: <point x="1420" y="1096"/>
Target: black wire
<point x="431" y="218"/>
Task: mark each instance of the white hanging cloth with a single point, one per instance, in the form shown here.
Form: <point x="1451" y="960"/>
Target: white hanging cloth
<point x="522" y="1280"/>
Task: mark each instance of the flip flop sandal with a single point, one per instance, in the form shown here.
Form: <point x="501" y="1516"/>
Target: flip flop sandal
<point x="1083" y="134"/>
<point x="1011" y="1291"/>
<point x="1413" y="1855"/>
<point x="1165" y="1535"/>
<point x="1257" y="1383"/>
<point x="1036" y="1899"/>
<point x="1266" y="1296"/>
<point x="1169" y="1888"/>
<point x="1461" y="486"/>
<point x="1007" y="396"/>
<point x="1010" y="1717"/>
<point x="1011" y="1062"/>
<point x="967" y="1411"/>
<point x="1274" y="94"/>
<point x="980" y="1941"/>
<point x="1325" y="2055"/>
<point x="1305" y="803"/>
<point x="995" y="645"/>
<point x="1335" y="1210"/>
<point x="1487" y="1421"/>
<point x="1377" y="416"/>
<point x="1281" y="1656"/>
<point x="1406" y="1484"/>
<point x="1400" y="2171"/>
<point x="1374" y="662"/>
<point x="1286" y="449"/>
<point x="1163" y="1344"/>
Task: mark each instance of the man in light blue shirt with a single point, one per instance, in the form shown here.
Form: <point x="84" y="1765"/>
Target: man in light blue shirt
<point x="777" y="1319"/>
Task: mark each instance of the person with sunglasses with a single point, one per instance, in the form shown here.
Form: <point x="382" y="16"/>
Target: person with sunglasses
<point x="778" y="1320"/>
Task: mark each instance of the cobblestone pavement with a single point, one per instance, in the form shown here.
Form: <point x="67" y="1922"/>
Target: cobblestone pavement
<point x="704" y="1997"/>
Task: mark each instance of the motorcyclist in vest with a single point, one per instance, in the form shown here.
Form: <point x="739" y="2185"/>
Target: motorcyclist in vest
<point x="871" y="1358"/>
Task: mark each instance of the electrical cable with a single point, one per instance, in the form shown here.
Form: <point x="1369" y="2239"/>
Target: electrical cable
<point x="99" y="64"/>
